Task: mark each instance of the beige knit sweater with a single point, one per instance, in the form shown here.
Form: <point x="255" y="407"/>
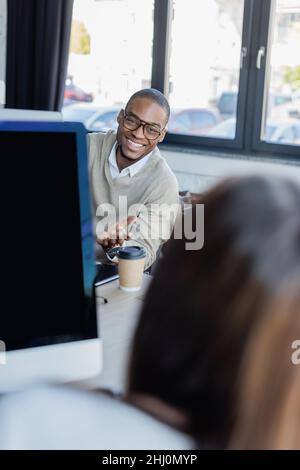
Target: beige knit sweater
<point x="151" y="195"/>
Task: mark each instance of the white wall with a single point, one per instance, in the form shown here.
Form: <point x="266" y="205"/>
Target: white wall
<point x="197" y="172"/>
<point x="2" y="50"/>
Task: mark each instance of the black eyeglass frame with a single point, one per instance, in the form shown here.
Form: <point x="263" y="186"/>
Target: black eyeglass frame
<point x="141" y="123"/>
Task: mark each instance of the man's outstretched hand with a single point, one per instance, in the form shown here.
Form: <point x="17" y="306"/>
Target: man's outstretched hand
<point x="116" y="235"/>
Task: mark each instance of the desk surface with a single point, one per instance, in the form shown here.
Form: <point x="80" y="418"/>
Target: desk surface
<point x="117" y="320"/>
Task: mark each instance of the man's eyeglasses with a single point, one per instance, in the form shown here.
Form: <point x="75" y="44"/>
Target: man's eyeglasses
<point x="150" y="131"/>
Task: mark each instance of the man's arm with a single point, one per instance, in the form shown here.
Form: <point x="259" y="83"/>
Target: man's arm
<point x="148" y="225"/>
<point x="155" y="220"/>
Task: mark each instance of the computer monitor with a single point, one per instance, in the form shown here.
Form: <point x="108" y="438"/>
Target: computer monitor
<point x="48" y="324"/>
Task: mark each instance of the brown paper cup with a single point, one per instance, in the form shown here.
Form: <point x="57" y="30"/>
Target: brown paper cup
<point x="131" y="267"/>
<point x="131" y="274"/>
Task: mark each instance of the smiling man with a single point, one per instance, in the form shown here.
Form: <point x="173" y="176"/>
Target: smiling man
<point x="127" y="167"/>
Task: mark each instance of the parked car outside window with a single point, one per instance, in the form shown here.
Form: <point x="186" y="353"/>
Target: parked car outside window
<point x="75" y="93"/>
<point x="94" y="118"/>
<point x="287" y="131"/>
<point x="227" y="102"/>
<point x="193" y="121"/>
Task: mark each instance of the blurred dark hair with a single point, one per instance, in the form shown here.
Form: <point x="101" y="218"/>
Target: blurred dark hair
<point x="203" y="306"/>
<point x="153" y="95"/>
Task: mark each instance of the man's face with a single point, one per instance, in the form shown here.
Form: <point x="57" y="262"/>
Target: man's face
<point x="133" y="143"/>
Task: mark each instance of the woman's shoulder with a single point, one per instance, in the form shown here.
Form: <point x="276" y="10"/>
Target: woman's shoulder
<point x="67" y="418"/>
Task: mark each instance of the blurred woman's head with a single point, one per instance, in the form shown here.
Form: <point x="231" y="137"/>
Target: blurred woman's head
<point x="207" y="311"/>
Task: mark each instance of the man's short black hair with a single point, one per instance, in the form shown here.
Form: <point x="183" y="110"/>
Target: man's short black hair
<point x="154" y="95"/>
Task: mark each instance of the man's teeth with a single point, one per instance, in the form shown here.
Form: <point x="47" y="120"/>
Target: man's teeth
<point x="134" y="144"/>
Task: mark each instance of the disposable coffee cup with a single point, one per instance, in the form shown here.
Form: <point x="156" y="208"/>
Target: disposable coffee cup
<point x="131" y="267"/>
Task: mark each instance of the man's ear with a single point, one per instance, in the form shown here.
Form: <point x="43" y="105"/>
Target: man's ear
<point x="120" y="116"/>
<point x="162" y="136"/>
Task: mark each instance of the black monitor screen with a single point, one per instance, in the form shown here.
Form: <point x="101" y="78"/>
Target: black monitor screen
<point x="46" y="240"/>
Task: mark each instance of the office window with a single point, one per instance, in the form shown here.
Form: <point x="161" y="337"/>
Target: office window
<point x="281" y="109"/>
<point x="205" y="55"/>
<point x="230" y="69"/>
<point x="110" y="58"/>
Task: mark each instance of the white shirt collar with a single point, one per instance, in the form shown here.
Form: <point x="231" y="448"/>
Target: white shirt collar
<point x="130" y="170"/>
